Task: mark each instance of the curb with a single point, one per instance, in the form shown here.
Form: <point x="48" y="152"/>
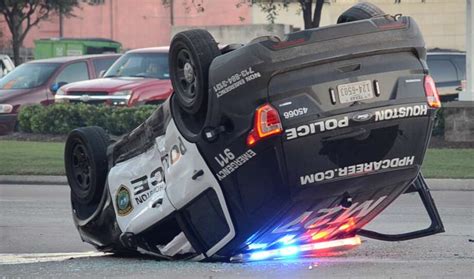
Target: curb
<point x="434" y="183"/>
<point x="33" y="179"/>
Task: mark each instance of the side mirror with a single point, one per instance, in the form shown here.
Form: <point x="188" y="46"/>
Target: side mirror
<point x="55" y="86"/>
<point x="102" y="73"/>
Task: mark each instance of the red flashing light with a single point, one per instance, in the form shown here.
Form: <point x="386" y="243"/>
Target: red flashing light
<point x="266" y="123"/>
<point x="431" y="93"/>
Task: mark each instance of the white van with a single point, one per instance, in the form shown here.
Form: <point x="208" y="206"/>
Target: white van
<point x="6" y="65"/>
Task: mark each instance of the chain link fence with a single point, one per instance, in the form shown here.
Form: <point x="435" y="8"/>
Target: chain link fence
<point x="26" y="54"/>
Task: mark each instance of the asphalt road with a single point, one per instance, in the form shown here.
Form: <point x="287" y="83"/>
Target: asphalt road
<point x="38" y="239"/>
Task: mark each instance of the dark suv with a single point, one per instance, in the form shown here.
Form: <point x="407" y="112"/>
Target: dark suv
<point x="37" y="81"/>
<point x="448" y="69"/>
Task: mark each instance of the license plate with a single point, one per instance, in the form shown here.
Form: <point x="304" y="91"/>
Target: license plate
<point x="356" y="91"/>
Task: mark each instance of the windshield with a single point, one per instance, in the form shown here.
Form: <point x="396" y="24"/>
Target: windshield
<point x="28" y="75"/>
<point x="147" y="65"/>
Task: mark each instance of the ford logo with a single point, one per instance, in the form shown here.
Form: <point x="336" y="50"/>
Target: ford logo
<point x="362" y="116"/>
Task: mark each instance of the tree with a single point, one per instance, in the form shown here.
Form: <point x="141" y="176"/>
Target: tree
<point x="21" y="15"/>
<point x="311" y="17"/>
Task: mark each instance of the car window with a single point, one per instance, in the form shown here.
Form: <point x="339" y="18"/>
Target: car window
<point x="28" y="75"/>
<point x="147" y="65"/>
<point x="73" y="72"/>
<point x="442" y="70"/>
<point x="103" y="64"/>
<point x="460" y="62"/>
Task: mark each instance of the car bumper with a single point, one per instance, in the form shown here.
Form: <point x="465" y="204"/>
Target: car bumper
<point x="7" y="123"/>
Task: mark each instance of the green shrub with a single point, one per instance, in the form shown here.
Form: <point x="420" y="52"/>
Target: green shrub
<point x="62" y="118"/>
<point x="24" y="117"/>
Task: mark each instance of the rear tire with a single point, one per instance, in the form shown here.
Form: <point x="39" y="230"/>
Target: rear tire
<point x="191" y="54"/>
<point x="360" y="11"/>
<point x="85" y="158"/>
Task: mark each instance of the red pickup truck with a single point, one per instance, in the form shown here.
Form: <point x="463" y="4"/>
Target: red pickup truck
<point x="140" y="76"/>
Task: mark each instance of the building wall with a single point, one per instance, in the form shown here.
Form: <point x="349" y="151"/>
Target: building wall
<point x="443" y="22"/>
<point x="136" y="23"/>
<point x="144" y="23"/>
<point x="240" y="34"/>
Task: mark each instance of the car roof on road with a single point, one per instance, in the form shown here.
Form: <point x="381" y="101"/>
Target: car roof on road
<point x="66" y="59"/>
<point x="446" y="53"/>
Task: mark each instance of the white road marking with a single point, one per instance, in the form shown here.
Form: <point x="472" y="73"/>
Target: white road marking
<point x="46" y="257"/>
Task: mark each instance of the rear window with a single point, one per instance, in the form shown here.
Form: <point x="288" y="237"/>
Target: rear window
<point x="442" y="70"/>
<point x="103" y="64"/>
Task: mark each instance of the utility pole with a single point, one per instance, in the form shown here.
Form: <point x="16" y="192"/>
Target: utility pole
<point x="468" y="95"/>
<point x="111" y="20"/>
<point x="171" y="13"/>
<point x="61" y="24"/>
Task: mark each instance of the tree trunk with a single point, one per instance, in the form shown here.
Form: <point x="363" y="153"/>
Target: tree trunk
<point x="306" y="6"/>
<point x="16" y="32"/>
<point x="317" y="14"/>
<point x="16" y="51"/>
<point x="16" y="44"/>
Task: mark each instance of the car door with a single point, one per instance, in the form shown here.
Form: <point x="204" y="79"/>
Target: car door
<point x="76" y="71"/>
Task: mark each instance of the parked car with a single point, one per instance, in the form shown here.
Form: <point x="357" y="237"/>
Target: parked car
<point x="140" y="76"/>
<point x="6" y="65"/>
<point x="37" y="81"/>
<point x="448" y="69"/>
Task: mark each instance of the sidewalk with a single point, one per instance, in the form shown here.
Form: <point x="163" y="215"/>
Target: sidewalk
<point x="434" y="184"/>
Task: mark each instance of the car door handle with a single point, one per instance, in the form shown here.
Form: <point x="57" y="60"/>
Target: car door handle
<point x="197" y="174"/>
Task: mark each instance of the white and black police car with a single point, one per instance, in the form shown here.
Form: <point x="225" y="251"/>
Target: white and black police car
<point x="273" y="149"/>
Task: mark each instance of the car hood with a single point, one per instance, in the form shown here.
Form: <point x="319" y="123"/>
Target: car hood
<point x="114" y="84"/>
<point x="7" y="94"/>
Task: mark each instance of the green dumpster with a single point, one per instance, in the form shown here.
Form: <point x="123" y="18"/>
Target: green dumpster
<point x="56" y="47"/>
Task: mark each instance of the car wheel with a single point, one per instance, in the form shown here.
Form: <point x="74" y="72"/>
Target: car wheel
<point x="360" y="11"/>
<point x="191" y="54"/>
<point x="85" y="158"/>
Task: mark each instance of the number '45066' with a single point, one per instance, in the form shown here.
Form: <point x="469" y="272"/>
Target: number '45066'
<point x="295" y="112"/>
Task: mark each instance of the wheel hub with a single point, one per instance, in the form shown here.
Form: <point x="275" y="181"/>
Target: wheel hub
<point x="188" y="72"/>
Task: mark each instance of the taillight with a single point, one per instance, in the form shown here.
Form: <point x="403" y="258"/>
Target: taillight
<point x="266" y="123"/>
<point x="431" y="93"/>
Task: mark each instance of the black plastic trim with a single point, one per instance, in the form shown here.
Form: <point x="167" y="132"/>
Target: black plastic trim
<point x="436" y="223"/>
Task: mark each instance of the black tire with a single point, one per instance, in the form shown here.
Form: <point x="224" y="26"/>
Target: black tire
<point x="191" y="54"/>
<point x="360" y="11"/>
<point x="85" y="159"/>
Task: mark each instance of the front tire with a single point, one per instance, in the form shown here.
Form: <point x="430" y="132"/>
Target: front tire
<point x="85" y="159"/>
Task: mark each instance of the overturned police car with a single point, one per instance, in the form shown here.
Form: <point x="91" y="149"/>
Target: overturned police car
<point x="271" y="149"/>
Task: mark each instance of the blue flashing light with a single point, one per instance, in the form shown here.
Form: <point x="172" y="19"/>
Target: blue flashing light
<point x="257" y="246"/>
<point x="260" y="255"/>
<point x="287" y="239"/>
<point x="289" y="251"/>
